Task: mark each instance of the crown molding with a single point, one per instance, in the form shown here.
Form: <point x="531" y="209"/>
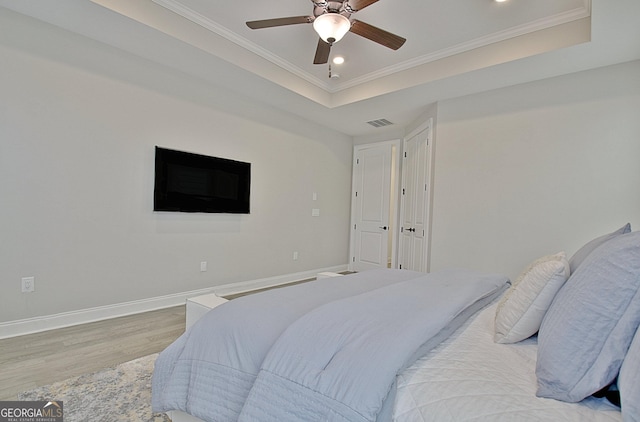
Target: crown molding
<point x="180" y="9"/>
<point x="516" y="31"/>
<point x="199" y="19"/>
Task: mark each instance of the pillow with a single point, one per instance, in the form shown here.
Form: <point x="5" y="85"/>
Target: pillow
<point x="521" y="309"/>
<point x="589" y="247"/>
<point x="628" y="382"/>
<point x="590" y="324"/>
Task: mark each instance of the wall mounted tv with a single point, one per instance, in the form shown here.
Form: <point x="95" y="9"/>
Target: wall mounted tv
<point x="186" y="182"/>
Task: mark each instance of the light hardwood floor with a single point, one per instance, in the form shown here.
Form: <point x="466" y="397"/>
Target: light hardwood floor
<point x="34" y="360"/>
<point x="39" y="359"/>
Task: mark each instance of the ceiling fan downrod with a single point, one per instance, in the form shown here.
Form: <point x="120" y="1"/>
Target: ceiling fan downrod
<point x="331" y="20"/>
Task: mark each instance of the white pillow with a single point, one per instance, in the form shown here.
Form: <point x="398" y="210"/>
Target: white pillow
<point x="521" y="310"/>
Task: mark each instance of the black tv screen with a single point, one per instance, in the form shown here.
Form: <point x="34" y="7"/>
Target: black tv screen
<point x="187" y="182"/>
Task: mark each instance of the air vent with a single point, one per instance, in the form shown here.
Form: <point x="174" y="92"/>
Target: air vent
<point x="380" y="123"/>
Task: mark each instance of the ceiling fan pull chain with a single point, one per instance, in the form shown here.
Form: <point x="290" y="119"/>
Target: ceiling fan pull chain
<point x="332" y="20"/>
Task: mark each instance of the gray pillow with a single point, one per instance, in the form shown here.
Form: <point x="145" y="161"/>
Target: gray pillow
<point x="628" y="382"/>
<point x="588" y="328"/>
<point x="589" y="247"/>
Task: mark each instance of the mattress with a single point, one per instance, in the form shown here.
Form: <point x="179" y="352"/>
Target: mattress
<point x="254" y="359"/>
<point x="469" y="377"/>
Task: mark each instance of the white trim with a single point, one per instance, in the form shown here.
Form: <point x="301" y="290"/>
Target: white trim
<point x="394" y="197"/>
<point x="83" y="316"/>
<point x="495" y="37"/>
<point x="180" y="9"/>
<point x="176" y="6"/>
<point x="426" y="126"/>
<point x="246" y="286"/>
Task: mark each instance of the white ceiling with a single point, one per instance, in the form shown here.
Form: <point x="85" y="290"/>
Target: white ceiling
<point x="433" y="29"/>
<point x="453" y="48"/>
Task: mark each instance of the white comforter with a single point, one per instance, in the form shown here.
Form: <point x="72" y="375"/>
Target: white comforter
<point x="306" y="352"/>
<point x="468" y="377"/>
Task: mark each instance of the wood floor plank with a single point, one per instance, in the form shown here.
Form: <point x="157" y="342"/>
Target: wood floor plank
<point x="34" y="360"/>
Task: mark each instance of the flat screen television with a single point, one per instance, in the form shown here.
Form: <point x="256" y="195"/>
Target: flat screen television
<point x="187" y="182"/>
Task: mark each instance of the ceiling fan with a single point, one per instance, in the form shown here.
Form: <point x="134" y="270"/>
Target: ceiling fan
<point x="332" y="20"/>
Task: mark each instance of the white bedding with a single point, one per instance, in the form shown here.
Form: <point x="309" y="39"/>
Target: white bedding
<point x="251" y="359"/>
<point x="468" y="377"/>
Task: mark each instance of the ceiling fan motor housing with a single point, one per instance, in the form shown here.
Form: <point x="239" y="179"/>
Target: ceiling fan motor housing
<point x="332" y="6"/>
<point x="332" y="20"/>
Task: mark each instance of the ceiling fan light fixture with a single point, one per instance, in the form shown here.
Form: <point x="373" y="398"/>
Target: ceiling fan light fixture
<point x="331" y="27"/>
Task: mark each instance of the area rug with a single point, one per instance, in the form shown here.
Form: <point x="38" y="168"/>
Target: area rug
<point x="121" y="393"/>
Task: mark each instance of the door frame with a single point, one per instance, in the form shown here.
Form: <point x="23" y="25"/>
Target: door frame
<point x="394" y="198"/>
<point x="426" y="126"/>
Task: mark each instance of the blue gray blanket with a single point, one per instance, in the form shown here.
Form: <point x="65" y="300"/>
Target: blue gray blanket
<point x="327" y="350"/>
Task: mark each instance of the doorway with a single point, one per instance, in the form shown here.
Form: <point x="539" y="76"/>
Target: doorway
<point x="374" y="211"/>
<point x="415" y="208"/>
<point x="391" y="215"/>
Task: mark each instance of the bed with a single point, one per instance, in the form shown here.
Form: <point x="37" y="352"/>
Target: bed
<point x="396" y="345"/>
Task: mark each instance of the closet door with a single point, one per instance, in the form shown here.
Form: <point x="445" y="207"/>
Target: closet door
<point x="414" y="230"/>
<point x="374" y="214"/>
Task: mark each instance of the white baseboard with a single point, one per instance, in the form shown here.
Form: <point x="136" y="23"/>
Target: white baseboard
<point x="246" y="286"/>
<point x="83" y="316"/>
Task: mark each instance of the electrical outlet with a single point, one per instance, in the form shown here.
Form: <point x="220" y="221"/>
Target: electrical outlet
<point x="203" y="266"/>
<point x="28" y="284"/>
<point x="295" y="256"/>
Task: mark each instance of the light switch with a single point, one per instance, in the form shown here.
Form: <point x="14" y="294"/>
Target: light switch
<point x="315" y="212"/>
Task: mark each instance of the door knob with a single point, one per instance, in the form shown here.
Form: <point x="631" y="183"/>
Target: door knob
<point x="383" y="227"/>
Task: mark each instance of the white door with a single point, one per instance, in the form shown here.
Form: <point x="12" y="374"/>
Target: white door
<point x="371" y="231"/>
<point x="413" y="250"/>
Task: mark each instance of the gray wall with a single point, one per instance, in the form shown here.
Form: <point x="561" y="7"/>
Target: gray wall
<point x="78" y="125"/>
<point x="519" y="172"/>
<point x="536" y="168"/>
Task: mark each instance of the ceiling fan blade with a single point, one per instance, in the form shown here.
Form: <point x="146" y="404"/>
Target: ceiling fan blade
<point x="360" y="4"/>
<point x="378" y="35"/>
<point x="322" y="52"/>
<point x="269" y="23"/>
